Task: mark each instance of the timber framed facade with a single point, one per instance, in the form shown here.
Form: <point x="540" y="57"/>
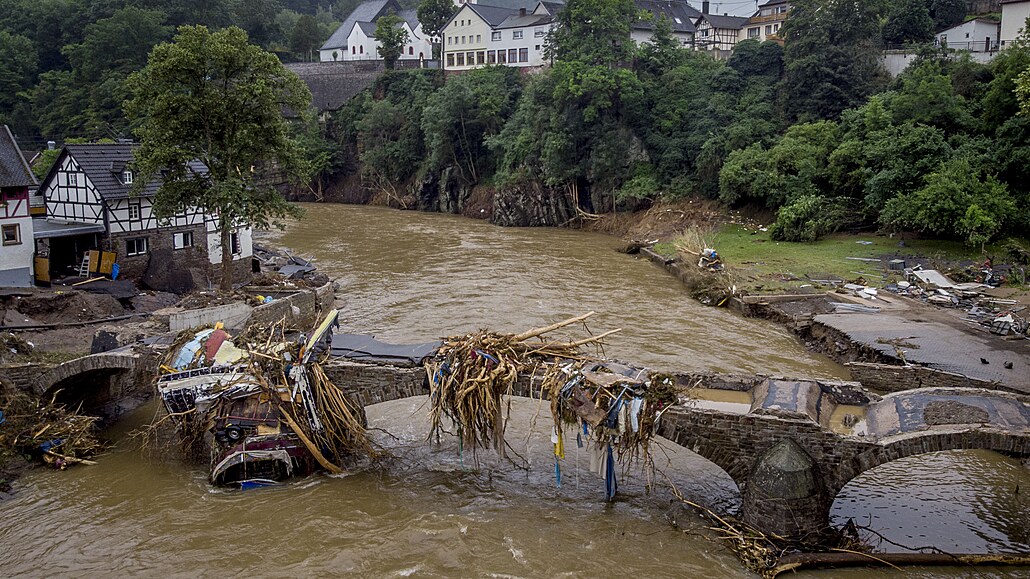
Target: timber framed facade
<point x="91" y="185"/>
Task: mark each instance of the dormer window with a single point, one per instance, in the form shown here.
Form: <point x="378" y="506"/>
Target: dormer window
<point x="127" y="177"/>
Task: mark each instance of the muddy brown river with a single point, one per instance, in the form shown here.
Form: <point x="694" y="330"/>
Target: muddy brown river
<point x="435" y="512"/>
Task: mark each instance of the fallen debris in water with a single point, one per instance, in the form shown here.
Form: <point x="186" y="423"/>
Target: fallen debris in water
<point x="264" y="411"/>
<point x="45" y="431"/>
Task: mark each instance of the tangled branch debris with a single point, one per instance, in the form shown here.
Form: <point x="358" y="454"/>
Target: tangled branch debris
<point x="615" y="407"/>
<point x="45" y="430"/>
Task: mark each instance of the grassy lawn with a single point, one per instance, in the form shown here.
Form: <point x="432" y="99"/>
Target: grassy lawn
<point x="771" y="265"/>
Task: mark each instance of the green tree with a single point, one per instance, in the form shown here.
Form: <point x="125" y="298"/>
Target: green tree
<point x="465" y="113"/>
<point x="216" y="98"/>
<point x="832" y="56"/>
<point x="257" y="18"/>
<point x="908" y="21"/>
<point x="959" y="199"/>
<point x="926" y="95"/>
<point x="391" y="37"/>
<point x="662" y="52"/>
<point x="947" y="13"/>
<point x="17" y="75"/>
<point x="594" y="32"/>
<point x="434" y="15"/>
<point x="306" y="37"/>
<point x="1023" y="92"/>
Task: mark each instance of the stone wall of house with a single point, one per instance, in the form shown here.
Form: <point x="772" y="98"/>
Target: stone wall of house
<point x="159" y="241"/>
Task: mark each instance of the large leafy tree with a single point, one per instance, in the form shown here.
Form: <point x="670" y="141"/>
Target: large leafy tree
<point x="17" y="74"/>
<point x="391" y="37"/>
<point x="305" y="37"/>
<point x="216" y="98"/>
<point x="908" y="21"/>
<point x="434" y="15"/>
<point x="832" y="56"/>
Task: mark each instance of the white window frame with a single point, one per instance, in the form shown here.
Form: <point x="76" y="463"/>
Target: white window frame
<point x="516" y="35"/>
<point x="141" y="246"/>
<point x="16" y="228"/>
<point x="495" y="36"/>
<point x="235" y="246"/>
<point x="182" y="240"/>
<point x="73" y="179"/>
<point x="135" y="211"/>
<point x="127" y="177"/>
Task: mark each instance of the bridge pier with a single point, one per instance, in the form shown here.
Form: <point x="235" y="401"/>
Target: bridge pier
<point x="785" y="495"/>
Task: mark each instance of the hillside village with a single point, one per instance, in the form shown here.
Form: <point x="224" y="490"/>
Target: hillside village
<point x="515" y="30"/>
<point x="81" y="205"/>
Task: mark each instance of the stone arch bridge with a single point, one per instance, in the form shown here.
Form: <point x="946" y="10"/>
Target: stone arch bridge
<point x="104" y="384"/>
<point x="790" y="445"/>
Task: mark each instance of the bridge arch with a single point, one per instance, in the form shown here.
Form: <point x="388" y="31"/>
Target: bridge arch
<point x="955" y="500"/>
<point x="100" y="383"/>
<point x="908" y="445"/>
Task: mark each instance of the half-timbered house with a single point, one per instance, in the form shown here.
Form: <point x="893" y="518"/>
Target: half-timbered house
<point x="89" y="191"/>
<point x="15" y="222"/>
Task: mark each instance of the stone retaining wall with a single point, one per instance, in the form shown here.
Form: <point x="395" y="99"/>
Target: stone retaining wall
<point x="310" y="305"/>
<point x="892" y="378"/>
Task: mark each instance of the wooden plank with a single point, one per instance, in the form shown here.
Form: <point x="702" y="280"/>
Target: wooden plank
<point x="94" y="261"/>
<point x="106" y="262"/>
<point x="42" y="267"/>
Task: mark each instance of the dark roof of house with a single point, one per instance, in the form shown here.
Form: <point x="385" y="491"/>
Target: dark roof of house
<point x="409" y="16"/>
<point x="369" y="28"/>
<point x="529" y="5"/>
<point x="673" y="10"/>
<point x="365" y="12"/>
<point x="553" y="7"/>
<point x="530" y="19"/>
<point x="103" y="164"/>
<point x="493" y="15"/>
<point x="14" y="171"/>
<point x="725" y="22"/>
<point x="773" y="3"/>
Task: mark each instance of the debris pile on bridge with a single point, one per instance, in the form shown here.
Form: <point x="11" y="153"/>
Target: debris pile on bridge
<point x="45" y="430"/>
<point x="263" y="410"/>
<point x="614" y="408"/>
<point x="471" y="373"/>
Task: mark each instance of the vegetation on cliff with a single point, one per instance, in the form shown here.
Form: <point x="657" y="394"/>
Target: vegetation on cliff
<point x="816" y="131"/>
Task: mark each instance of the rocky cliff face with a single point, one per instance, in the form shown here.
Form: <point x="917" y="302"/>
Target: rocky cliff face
<point x="525" y="205"/>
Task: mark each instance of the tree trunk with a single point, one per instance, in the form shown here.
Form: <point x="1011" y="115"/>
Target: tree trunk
<point x="226" y="235"/>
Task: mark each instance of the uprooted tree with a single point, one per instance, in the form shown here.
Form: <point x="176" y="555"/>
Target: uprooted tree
<point x="215" y="98"/>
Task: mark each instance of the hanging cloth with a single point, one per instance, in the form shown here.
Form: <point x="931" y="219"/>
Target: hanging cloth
<point x="611" y="486"/>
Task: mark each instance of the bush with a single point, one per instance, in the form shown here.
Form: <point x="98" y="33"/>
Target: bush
<point x="810" y="217"/>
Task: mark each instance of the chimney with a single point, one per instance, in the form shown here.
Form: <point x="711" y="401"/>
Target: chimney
<point x="50" y="145"/>
<point x="522" y="12"/>
<point x="704" y="7"/>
